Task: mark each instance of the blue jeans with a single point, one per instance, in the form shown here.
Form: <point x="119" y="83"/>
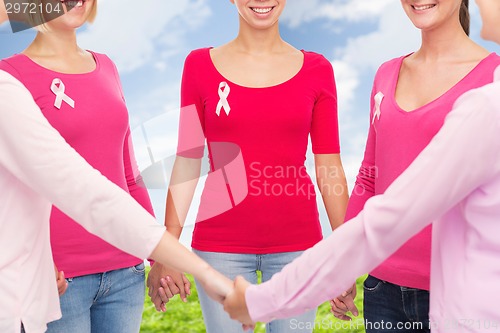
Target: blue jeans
<point x="247" y="265"/>
<point x="392" y="308"/>
<point x="110" y="302"/>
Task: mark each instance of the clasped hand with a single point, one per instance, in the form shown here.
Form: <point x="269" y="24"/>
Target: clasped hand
<point x="164" y="283"/>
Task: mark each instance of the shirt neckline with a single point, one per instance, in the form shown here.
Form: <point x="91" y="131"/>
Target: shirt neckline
<point x="292" y="78"/>
<point x="446" y="93"/>
<point x="93" y="72"/>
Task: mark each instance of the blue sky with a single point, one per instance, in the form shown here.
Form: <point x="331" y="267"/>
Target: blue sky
<point x="149" y="42"/>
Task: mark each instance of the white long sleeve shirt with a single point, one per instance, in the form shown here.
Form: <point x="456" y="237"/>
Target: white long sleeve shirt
<point x="455" y="178"/>
<point x="38" y="168"/>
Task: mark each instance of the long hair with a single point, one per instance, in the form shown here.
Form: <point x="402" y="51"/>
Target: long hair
<point x="465" y="16"/>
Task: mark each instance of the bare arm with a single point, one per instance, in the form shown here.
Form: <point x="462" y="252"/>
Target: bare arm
<point x="165" y="282"/>
<point x="332" y="185"/>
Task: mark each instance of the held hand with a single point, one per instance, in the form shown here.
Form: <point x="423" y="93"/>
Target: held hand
<point x="235" y="304"/>
<point x="216" y="285"/>
<point x="164" y="283"/>
<point x="62" y="284"/>
<point x="345" y="303"/>
<point x="176" y="283"/>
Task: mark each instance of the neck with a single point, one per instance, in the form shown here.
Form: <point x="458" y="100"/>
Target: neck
<point x="3" y="12"/>
<point x="259" y="41"/>
<point x="55" y="43"/>
<point x="444" y="42"/>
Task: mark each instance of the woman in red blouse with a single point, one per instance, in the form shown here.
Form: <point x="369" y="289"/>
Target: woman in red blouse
<point x="255" y="100"/>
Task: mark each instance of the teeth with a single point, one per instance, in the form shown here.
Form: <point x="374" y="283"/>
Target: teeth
<point x="262" y="10"/>
<point x="73" y="3"/>
<point x="423" y="7"/>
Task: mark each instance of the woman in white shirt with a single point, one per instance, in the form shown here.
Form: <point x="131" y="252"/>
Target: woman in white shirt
<point x="38" y="169"/>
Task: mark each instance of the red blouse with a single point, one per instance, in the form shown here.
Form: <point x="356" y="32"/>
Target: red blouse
<point x="272" y="205"/>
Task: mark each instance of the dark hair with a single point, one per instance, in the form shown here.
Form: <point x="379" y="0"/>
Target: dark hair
<point x="464" y="16"/>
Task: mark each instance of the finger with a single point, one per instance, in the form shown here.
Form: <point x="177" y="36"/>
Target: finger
<point x="342" y="317"/>
<point x="240" y="281"/>
<point x="160" y="306"/>
<point x="60" y="277"/>
<point x="153" y="285"/>
<point x="170" y="286"/>
<point x="349" y="303"/>
<point x="180" y="287"/>
<point x="61" y="289"/>
<point x="166" y="288"/>
<point x="351" y="292"/>
<point x="151" y="290"/>
<point x="187" y="284"/>
<point x="339" y="305"/>
<point x="345" y="303"/>
<point x="174" y="285"/>
<point x="336" y="312"/>
<point x="157" y="303"/>
<point x="165" y="295"/>
<point x="62" y="284"/>
<point x="248" y="326"/>
<point x="339" y="313"/>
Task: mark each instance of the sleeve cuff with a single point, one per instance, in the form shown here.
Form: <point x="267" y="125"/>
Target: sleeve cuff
<point x="260" y="303"/>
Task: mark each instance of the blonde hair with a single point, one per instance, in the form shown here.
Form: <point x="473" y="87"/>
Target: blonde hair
<point x="38" y="20"/>
<point x="93" y="13"/>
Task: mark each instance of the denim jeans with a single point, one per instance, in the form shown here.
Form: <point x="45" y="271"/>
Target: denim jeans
<point x="392" y="308"/>
<point x="247" y="265"/>
<point x="110" y="302"/>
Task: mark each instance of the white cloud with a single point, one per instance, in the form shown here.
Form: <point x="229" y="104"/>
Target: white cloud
<point x="139" y="29"/>
<point x="300" y="11"/>
<point x="363" y="54"/>
<point x="395" y="36"/>
<point x="347" y="79"/>
<point x="154" y="102"/>
<point x="356" y="63"/>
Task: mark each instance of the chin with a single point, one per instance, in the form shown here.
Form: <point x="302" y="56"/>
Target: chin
<point x="491" y="35"/>
<point x="66" y="24"/>
<point x="75" y="24"/>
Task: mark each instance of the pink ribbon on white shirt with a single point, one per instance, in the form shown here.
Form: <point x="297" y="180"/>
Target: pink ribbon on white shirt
<point x="58" y="88"/>
<point x="378" y="101"/>
<point x="223" y="94"/>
